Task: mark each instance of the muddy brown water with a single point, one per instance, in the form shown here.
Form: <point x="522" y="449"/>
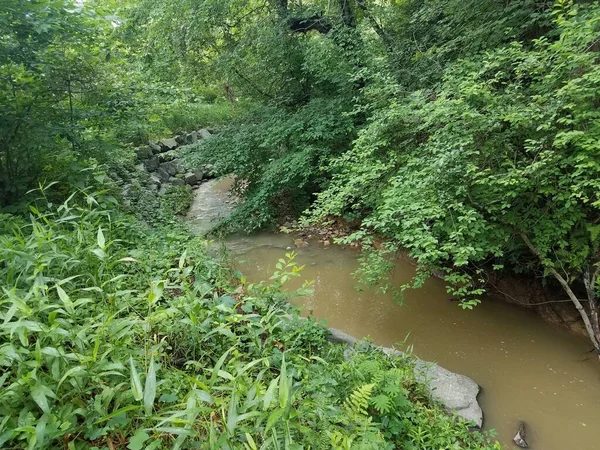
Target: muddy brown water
<point x="528" y="369"/>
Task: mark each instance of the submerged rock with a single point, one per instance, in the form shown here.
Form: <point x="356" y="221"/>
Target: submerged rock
<point x="519" y="438"/>
<point x="299" y="243"/>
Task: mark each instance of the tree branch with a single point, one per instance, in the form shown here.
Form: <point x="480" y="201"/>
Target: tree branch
<point x="252" y="84"/>
<point x="584" y="315"/>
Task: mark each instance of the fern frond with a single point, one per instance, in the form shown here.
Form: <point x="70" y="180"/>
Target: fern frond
<point x="358" y="402"/>
<point x="382" y="403"/>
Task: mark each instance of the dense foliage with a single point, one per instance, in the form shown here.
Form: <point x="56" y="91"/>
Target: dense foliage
<point x="114" y="335"/>
<point x="118" y="328"/>
<point x="463" y="131"/>
<point x="72" y="91"/>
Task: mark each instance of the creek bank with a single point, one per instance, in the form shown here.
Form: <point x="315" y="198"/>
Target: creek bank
<point x="547" y="301"/>
<point x="458" y="393"/>
<point x="527" y="369"/>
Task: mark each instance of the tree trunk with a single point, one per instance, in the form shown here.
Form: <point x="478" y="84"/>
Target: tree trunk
<point x="589" y="320"/>
<point x="348" y="18"/>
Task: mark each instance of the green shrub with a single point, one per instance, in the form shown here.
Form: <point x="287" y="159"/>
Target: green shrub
<point x="177" y="200"/>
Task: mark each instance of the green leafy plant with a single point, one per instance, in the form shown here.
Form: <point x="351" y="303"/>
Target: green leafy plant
<point x="112" y="334"/>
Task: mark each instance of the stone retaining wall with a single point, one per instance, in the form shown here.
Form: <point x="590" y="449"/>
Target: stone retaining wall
<point x="161" y="160"/>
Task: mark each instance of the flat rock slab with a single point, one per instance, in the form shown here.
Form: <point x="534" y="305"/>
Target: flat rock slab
<point x="456" y="392"/>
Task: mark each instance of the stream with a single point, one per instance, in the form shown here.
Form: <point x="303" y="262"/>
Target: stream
<point x="528" y="369"/>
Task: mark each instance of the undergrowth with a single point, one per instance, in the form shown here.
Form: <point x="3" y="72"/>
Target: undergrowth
<point x="115" y="335"/>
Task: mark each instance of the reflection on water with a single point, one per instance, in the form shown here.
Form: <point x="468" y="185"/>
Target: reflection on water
<point x="528" y="369"/>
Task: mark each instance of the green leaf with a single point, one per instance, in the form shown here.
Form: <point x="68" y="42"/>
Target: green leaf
<point x="39" y="394"/>
<point x="137" y="440"/>
<point x="270" y="394"/>
<point x="136" y="383"/>
<point x="273" y="418"/>
<point x="101" y="240"/>
<point x="75" y="370"/>
<point x="99" y="253"/>
<point x="232" y="415"/>
<point x="156" y="292"/>
<point x="284" y="386"/>
<point x="65" y="299"/>
<point x="250" y="441"/>
<point x="150" y="388"/>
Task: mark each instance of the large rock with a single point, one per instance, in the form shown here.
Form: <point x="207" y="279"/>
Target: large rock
<point x="193" y="137"/>
<point x="168" y="156"/>
<point x="168" y="144"/>
<point x="162" y="174"/>
<point x="204" y="133"/>
<point x="190" y="178"/>
<point x="171" y="167"/>
<point x="181" y="139"/>
<point x="200" y="174"/>
<point x="155" y="179"/>
<point x="151" y="164"/>
<point x="339" y="337"/>
<point x="155" y="147"/>
<point x="176" y="181"/>
<point x="456" y="392"/>
<point x="144" y="153"/>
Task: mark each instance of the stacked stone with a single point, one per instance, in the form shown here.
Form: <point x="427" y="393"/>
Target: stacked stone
<point x="160" y="160"/>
